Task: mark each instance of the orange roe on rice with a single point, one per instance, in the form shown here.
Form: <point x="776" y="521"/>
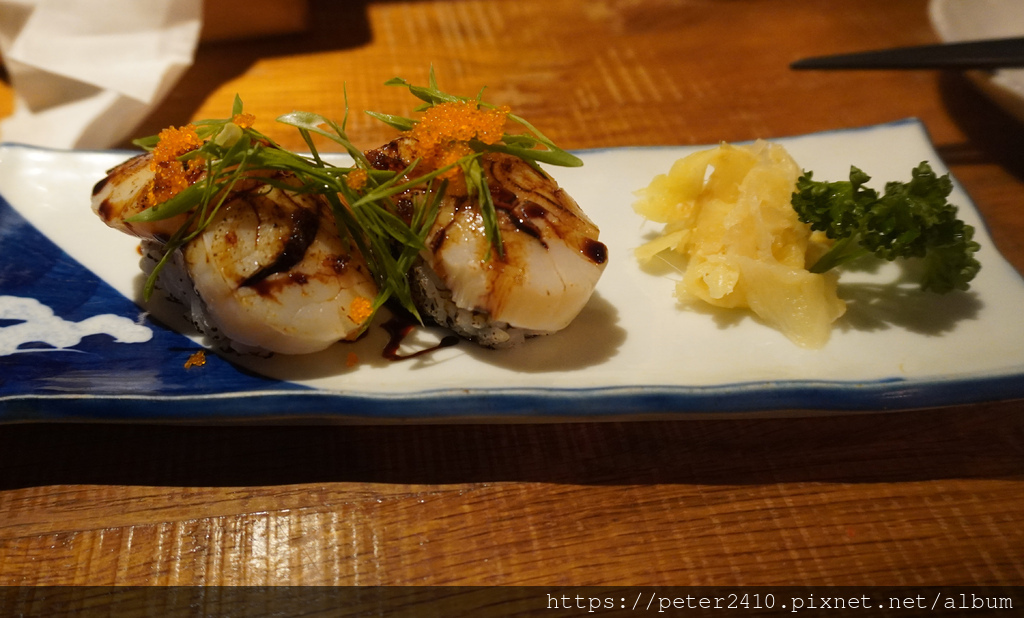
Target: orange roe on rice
<point x="171" y="175"/>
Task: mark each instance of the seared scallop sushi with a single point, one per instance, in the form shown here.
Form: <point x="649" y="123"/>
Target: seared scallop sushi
<point x="539" y="278"/>
<point x="273" y="251"/>
<point x="268" y="272"/>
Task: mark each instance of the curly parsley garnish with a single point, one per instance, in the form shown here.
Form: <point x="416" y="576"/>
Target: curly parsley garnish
<point x="908" y="220"/>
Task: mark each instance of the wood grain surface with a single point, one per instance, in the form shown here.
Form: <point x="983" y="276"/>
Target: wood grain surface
<point x="930" y="497"/>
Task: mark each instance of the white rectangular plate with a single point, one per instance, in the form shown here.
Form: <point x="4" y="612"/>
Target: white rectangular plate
<point x="632" y="353"/>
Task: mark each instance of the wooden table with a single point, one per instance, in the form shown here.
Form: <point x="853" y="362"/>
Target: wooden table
<point x="930" y="497"/>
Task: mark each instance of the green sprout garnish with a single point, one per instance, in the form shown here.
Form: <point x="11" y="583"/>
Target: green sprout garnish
<point x="532" y="147"/>
<point x="228" y="151"/>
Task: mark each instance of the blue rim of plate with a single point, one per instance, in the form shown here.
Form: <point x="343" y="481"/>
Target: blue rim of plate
<point x="230" y="394"/>
<point x="512" y="405"/>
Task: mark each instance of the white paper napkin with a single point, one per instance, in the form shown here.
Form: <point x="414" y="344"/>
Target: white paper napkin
<point x="86" y="72"/>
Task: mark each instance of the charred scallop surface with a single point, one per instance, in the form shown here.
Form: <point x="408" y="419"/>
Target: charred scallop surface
<point x="550" y="263"/>
<point x="125" y="192"/>
<point x="268" y="273"/>
<point x="274" y="273"/>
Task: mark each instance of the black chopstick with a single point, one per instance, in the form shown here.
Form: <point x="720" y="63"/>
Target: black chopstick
<point x="986" y="54"/>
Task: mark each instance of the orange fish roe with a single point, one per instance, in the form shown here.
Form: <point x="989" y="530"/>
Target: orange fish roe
<point x="356" y="179"/>
<point x="197" y="359"/>
<point x="361" y="309"/>
<point x="173" y="176"/>
<point x="443" y="132"/>
<point x="244" y="121"/>
<point x="352" y="359"/>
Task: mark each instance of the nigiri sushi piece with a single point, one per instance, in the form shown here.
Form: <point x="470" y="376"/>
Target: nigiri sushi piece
<point x="269" y="273"/>
<point x="549" y="264"/>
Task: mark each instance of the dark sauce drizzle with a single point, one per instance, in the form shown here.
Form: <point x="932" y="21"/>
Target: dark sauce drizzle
<point x="401" y="326"/>
<point x="596" y="251"/>
<point x="519" y="213"/>
<point x="305" y="224"/>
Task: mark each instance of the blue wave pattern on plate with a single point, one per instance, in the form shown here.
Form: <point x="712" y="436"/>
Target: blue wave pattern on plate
<point x="63" y="331"/>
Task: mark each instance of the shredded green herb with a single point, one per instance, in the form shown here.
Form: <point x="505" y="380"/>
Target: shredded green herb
<point x="360" y="195"/>
<point x="532" y="146"/>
